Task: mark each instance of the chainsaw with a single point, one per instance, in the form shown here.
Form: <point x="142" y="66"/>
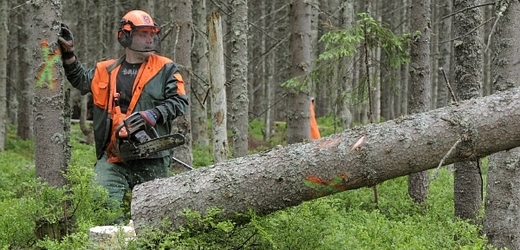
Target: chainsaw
<point x="142" y="140"/>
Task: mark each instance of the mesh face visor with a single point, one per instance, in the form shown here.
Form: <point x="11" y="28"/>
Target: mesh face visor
<point x="146" y="39"/>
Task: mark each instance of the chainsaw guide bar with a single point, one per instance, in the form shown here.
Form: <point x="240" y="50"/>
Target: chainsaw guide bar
<point x="133" y="150"/>
<point x="160" y="144"/>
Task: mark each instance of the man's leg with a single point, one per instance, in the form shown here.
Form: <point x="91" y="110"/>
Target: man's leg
<point x="114" y="178"/>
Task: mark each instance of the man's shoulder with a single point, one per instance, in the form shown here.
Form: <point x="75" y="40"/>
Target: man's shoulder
<point x="105" y="63"/>
<point x="159" y="59"/>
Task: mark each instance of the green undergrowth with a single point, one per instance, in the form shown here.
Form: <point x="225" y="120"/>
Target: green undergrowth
<point x="346" y="220"/>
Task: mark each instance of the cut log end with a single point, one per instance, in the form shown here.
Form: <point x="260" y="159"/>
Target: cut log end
<point x="112" y="235"/>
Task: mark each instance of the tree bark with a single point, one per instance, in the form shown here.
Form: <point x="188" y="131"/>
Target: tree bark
<point x="3" y="72"/>
<point x="25" y="128"/>
<point x="199" y="83"/>
<point x="502" y="197"/>
<point x="218" y="91"/>
<point x="468" y="192"/>
<point x="356" y="158"/>
<point x="239" y="61"/>
<point x="298" y="113"/>
<point x="51" y="107"/>
<point x="445" y="51"/>
<point x="182" y="56"/>
<point x="51" y="116"/>
<point x="420" y="83"/>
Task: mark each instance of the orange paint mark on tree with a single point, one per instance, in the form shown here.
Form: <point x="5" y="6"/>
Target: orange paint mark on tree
<point x="316" y="180"/>
<point x="325" y="187"/>
<point x="46" y="73"/>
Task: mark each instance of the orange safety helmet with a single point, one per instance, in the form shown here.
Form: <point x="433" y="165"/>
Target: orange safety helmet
<point x="133" y="20"/>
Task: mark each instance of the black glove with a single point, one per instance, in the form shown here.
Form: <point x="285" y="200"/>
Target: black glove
<point x="150" y="116"/>
<point x="66" y="41"/>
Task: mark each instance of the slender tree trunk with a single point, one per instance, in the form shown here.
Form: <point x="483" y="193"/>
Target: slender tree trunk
<point x="487" y="83"/>
<point x="51" y="106"/>
<point x="267" y="70"/>
<point x="117" y="13"/>
<point x="347" y="19"/>
<point x="420" y="88"/>
<point x="298" y="113"/>
<point x="199" y="81"/>
<point x="218" y="92"/>
<point x="502" y="197"/>
<point x="84" y="99"/>
<point x="239" y="61"/>
<point x="52" y="122"/>
<point x="4" y="19"/>
<point x="25" y="84"/>
<point x="386" y="72"/>
<point x="405" y="72"/>
<point x="444" y="59"/>
<point x="182" y="56"/>
<point x="361" y="157"/>
<point x="13" y="67"/>
<point x="468" y="190"/>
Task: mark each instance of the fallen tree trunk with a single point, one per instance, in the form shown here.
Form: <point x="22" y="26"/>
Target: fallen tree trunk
<point x="360" y="157"/>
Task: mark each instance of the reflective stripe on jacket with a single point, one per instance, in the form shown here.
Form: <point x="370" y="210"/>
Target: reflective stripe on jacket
<point x="163" y="89"/>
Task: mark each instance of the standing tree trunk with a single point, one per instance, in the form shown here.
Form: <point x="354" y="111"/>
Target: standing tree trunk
<point x="239" y="61"/>
<point x="444" y="58"/>
<point x="502" y="197"/>
<point x="51" y="106"/>
<point x="51" y="120"/>
<point x="388" y="85"/>
<point x="298" y="113"/>
<point x="347" y="19"/>
<point x="199" y="81"/>
<point x="360" y="157"/>
<point x="25" y="84"/>
<point x="182" y="56"/>
<point x="13" y="72"/>
<point x="402" y="103"/>
<point x="3" y="72"/>
<point x="218" y="91"/>
<point x="468" y="191"/>
<point x="420" y="88"/>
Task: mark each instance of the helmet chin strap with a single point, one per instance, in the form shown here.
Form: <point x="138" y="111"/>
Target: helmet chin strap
<point x="140" y="50"/>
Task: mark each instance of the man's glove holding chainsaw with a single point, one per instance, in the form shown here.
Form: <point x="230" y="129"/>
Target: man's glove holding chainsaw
<point x="66" y="41"/>
<point x="151" y="116"/>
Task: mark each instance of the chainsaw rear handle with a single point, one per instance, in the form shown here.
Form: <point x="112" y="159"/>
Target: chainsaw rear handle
<point x="134" y="123"/>
<point x="137" y="130"/>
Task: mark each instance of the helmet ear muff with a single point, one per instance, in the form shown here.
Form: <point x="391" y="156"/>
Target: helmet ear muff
<point x="124" y="36"/>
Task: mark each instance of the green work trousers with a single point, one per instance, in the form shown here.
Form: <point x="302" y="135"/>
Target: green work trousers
<point x="118" y="178"/>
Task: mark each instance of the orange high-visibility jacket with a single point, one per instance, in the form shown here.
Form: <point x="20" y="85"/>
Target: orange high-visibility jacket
<point x="158" y="85"/>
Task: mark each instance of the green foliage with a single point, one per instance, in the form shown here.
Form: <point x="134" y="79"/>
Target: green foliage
<point x="256" y="129"/>
<point x="202" y="156"/>
<point x="23" y="149"/>
<point x="78" y="240"/>
<point x="208" y="232"/>
<point x="344" y="43"/>
<point x="329" y="125"/>
<point x="296" y="83"/>
<point x="350" y="220"/>
<point x="28" y="204"/>
<point x="18" y="221"/>
<point x="348" y="45"/>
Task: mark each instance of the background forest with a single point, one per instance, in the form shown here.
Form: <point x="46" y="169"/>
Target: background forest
<point x="362" y="62"/>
